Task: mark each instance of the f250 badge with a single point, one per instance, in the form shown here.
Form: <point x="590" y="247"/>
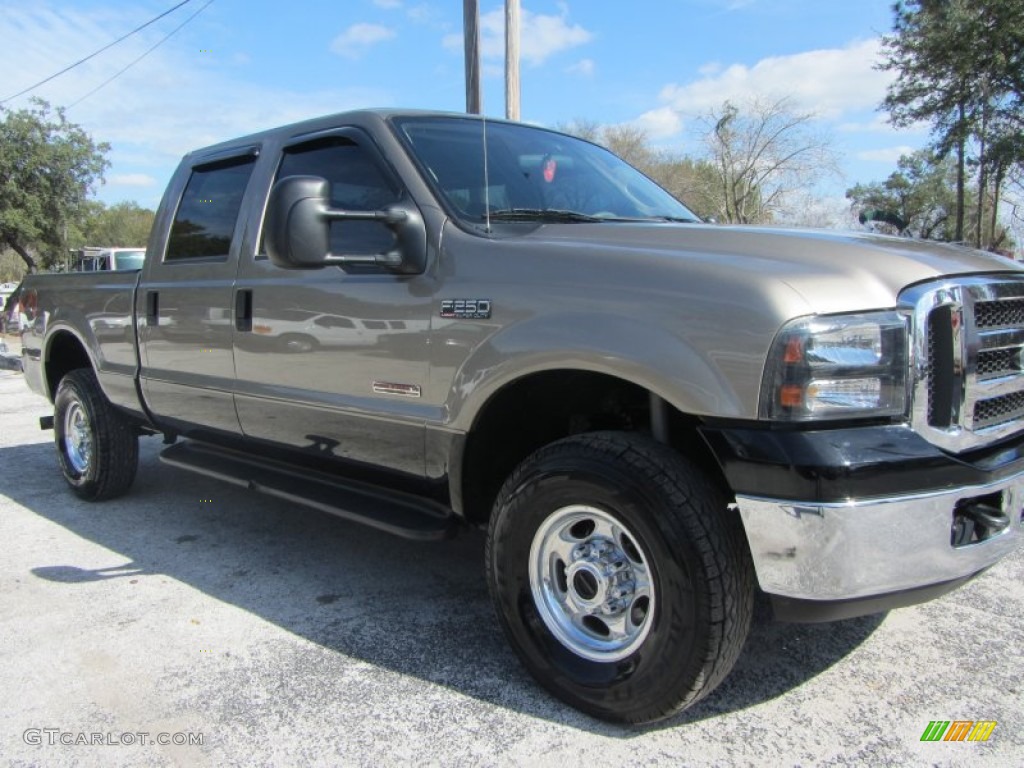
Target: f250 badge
<point x="466" y="309"/>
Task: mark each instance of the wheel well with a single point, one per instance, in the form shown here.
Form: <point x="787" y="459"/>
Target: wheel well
<point x="65" y="354"/>
<point x="544" y="407"/>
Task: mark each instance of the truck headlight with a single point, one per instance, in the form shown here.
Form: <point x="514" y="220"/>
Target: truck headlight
<point x="837" y="367"/>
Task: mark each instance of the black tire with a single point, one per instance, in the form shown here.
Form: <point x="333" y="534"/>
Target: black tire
<point x="679" y="537"/>
<point x="97" y="446"/>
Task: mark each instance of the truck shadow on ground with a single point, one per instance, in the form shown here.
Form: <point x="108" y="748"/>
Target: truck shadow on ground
<point x="417" y="609"/>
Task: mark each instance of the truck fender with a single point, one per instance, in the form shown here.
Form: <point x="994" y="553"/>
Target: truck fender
<point x="661" y="360"/>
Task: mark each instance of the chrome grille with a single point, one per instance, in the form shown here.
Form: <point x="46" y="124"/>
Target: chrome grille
<point x="993" y="363"/>
<point x="968" y="344"/>
<point x="999" y="314"/>
<point x="999" y="410"/>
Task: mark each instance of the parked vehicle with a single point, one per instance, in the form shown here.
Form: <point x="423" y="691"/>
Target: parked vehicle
<point x="6" y="289"/>
<point x="11" y="317"/>
<point x="651" y="416"/>
<point x="95" y="259"/>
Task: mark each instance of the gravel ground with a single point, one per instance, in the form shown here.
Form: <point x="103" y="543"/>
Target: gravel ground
<point x="282" y="636"/>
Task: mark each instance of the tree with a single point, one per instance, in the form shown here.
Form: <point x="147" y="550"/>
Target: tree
<point x="12" y="268"/>
<point x="761" y="152"/>
<point x="688" y="180"/>
<point x="125" y="224"/>
<point x="919" y="199"/>
<point x="48" y="166"/>
<point x="960" y="66"/>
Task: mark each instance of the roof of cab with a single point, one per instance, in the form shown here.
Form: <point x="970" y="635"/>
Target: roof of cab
<point x="325" y="122"/>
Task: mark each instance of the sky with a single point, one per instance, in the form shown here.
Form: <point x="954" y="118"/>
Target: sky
<point x="241" y="66"/>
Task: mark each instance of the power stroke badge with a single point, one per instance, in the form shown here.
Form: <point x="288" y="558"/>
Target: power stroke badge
<point x="466" y="309"/>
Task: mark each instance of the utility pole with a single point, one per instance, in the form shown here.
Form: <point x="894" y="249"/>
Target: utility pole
<point x="471" y="35"/>
<point x="512" y="59"/>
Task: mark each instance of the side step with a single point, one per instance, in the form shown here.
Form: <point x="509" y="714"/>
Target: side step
<point x="402" y="514"/>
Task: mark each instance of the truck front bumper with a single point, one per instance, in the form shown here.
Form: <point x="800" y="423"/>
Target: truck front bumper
<point x="846" y="522"/>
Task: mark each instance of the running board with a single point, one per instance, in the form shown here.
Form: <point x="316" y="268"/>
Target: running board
<point x="402" y="514"/>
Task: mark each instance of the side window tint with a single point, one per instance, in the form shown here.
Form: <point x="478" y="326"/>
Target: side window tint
<point x="357" y="184"/>
<point x="208" y="210"/>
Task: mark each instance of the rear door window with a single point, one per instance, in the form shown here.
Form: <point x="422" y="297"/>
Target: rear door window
<point x="208" y="211"/>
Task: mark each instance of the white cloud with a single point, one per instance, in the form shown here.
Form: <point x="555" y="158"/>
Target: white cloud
<point x="583" y="67"/>
<point x="388" y="4"/>
<point x="889" y="155"/>
<point x="660" y="123"/>
<point x="422" y="14"/>
<point x="829" y="82"/>
<point x="355" y="41"/>
<point x="541" y="36"/>
<point x="131" y="180"/>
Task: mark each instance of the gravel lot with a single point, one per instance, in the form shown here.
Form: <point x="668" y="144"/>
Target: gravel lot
<point x="288" y="637"/>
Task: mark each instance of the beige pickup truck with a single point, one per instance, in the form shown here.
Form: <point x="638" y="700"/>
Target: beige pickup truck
<point x="422" y="321"/>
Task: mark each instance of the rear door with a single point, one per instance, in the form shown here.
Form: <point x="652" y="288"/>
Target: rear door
<point x="184" y="302"/>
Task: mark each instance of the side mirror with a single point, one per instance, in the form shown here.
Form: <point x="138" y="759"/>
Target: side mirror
<point x="297" y="230"/>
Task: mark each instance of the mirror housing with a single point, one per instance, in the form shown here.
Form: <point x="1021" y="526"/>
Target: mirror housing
<point x="297" y="229"/>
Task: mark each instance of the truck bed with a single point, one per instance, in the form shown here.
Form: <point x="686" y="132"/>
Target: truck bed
<point x="97" y="309"/>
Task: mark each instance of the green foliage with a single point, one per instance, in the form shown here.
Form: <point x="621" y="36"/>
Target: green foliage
<point x="12" y="268"/>
<point x="48" y="166"/>
<point x="921" y="195"/>
<point x="122" y="225"/>
<point x="960" y="67"/>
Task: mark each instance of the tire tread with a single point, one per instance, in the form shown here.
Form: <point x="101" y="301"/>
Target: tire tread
<point x="116" y="443"/>
<point x="695" y="512"/>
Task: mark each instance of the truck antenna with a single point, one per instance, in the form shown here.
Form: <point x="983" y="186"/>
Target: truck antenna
<point x="487" y="180"/>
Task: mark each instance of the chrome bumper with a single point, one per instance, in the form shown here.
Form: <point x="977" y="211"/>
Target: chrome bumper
<point x="866" y="548"/>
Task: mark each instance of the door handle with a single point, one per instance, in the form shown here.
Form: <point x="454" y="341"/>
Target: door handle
<point x="152" y="309"/>
<point x="243" y="310"/>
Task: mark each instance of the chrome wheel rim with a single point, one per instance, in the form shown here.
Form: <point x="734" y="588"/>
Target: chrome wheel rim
<point x="592" y="583"/>
<point x="77" y="438"/>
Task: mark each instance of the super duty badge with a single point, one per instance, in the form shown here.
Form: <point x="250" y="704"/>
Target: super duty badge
<point x="466" y="309"/>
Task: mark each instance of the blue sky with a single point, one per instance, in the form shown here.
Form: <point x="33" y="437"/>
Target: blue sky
<point x="245" y="65"/>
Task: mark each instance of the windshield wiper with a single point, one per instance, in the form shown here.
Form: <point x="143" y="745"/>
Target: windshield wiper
<point x="542" y="214"/>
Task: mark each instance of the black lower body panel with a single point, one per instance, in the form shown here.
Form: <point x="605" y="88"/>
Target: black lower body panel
<point x="393" y="511"/>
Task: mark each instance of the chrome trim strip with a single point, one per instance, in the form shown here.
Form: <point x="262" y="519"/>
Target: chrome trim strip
<point x="1000" y="338"/>
<point x="392" y="388"/>
<point x="985" y="389"/>
<point x="868" y="547"/>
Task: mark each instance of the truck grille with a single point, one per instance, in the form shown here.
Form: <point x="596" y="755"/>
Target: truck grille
<point x="968" y="345"/>
<point x="999" y="314"/>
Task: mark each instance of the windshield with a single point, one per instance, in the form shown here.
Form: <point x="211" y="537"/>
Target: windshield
<point x="532" y="174"/>
<point x="129" y="259"/>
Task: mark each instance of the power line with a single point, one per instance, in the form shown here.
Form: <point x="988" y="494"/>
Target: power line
<point x="140" y="58"/>
<point x="93" y="55"/>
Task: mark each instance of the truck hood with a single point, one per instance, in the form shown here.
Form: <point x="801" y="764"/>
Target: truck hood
<point x="832" y="271"/>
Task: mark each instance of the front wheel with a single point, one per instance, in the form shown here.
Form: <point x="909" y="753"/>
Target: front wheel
<point x="96" y="445"/>
<point x="620" y="576"/>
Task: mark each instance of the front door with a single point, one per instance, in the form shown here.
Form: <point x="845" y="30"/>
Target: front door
<point x="335" y="362"/>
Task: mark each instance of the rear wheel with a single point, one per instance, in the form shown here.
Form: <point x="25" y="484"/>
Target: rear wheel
<point x="298" y="343"/>
<point x="96" y="445"/>
<point x="619" y="575"/>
